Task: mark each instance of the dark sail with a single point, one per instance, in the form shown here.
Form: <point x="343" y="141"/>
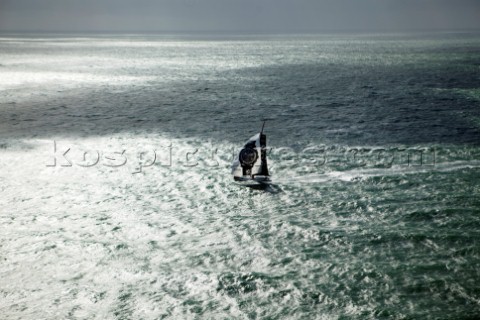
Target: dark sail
<point x="263" y="157"/>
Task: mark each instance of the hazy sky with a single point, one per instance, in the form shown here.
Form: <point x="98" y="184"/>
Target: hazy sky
<point x="238" y="15"/>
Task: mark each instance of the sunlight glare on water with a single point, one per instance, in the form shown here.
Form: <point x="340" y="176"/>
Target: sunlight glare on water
<point x="373" y="149"/>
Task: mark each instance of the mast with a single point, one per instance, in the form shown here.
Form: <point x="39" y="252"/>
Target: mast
<point x="263" y="125"/>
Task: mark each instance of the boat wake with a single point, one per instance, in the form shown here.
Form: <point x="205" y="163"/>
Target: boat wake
<point x="361" y="174"/>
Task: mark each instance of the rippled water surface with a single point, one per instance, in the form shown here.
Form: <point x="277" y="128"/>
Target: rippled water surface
<point x="116" y="200"/>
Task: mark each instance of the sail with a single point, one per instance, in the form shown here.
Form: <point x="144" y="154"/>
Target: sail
<point x="252" y="159"/>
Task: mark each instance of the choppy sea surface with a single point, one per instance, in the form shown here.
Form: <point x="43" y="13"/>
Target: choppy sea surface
<point x="116" y="200"/>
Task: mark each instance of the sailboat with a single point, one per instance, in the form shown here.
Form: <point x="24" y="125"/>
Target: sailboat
<point x="250" y="168"/>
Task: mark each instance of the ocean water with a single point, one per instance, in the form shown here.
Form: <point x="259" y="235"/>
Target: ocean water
<point x="116" y="200"/>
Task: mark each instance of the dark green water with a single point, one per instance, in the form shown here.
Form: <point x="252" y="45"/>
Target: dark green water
<point x="375" y="212"/>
